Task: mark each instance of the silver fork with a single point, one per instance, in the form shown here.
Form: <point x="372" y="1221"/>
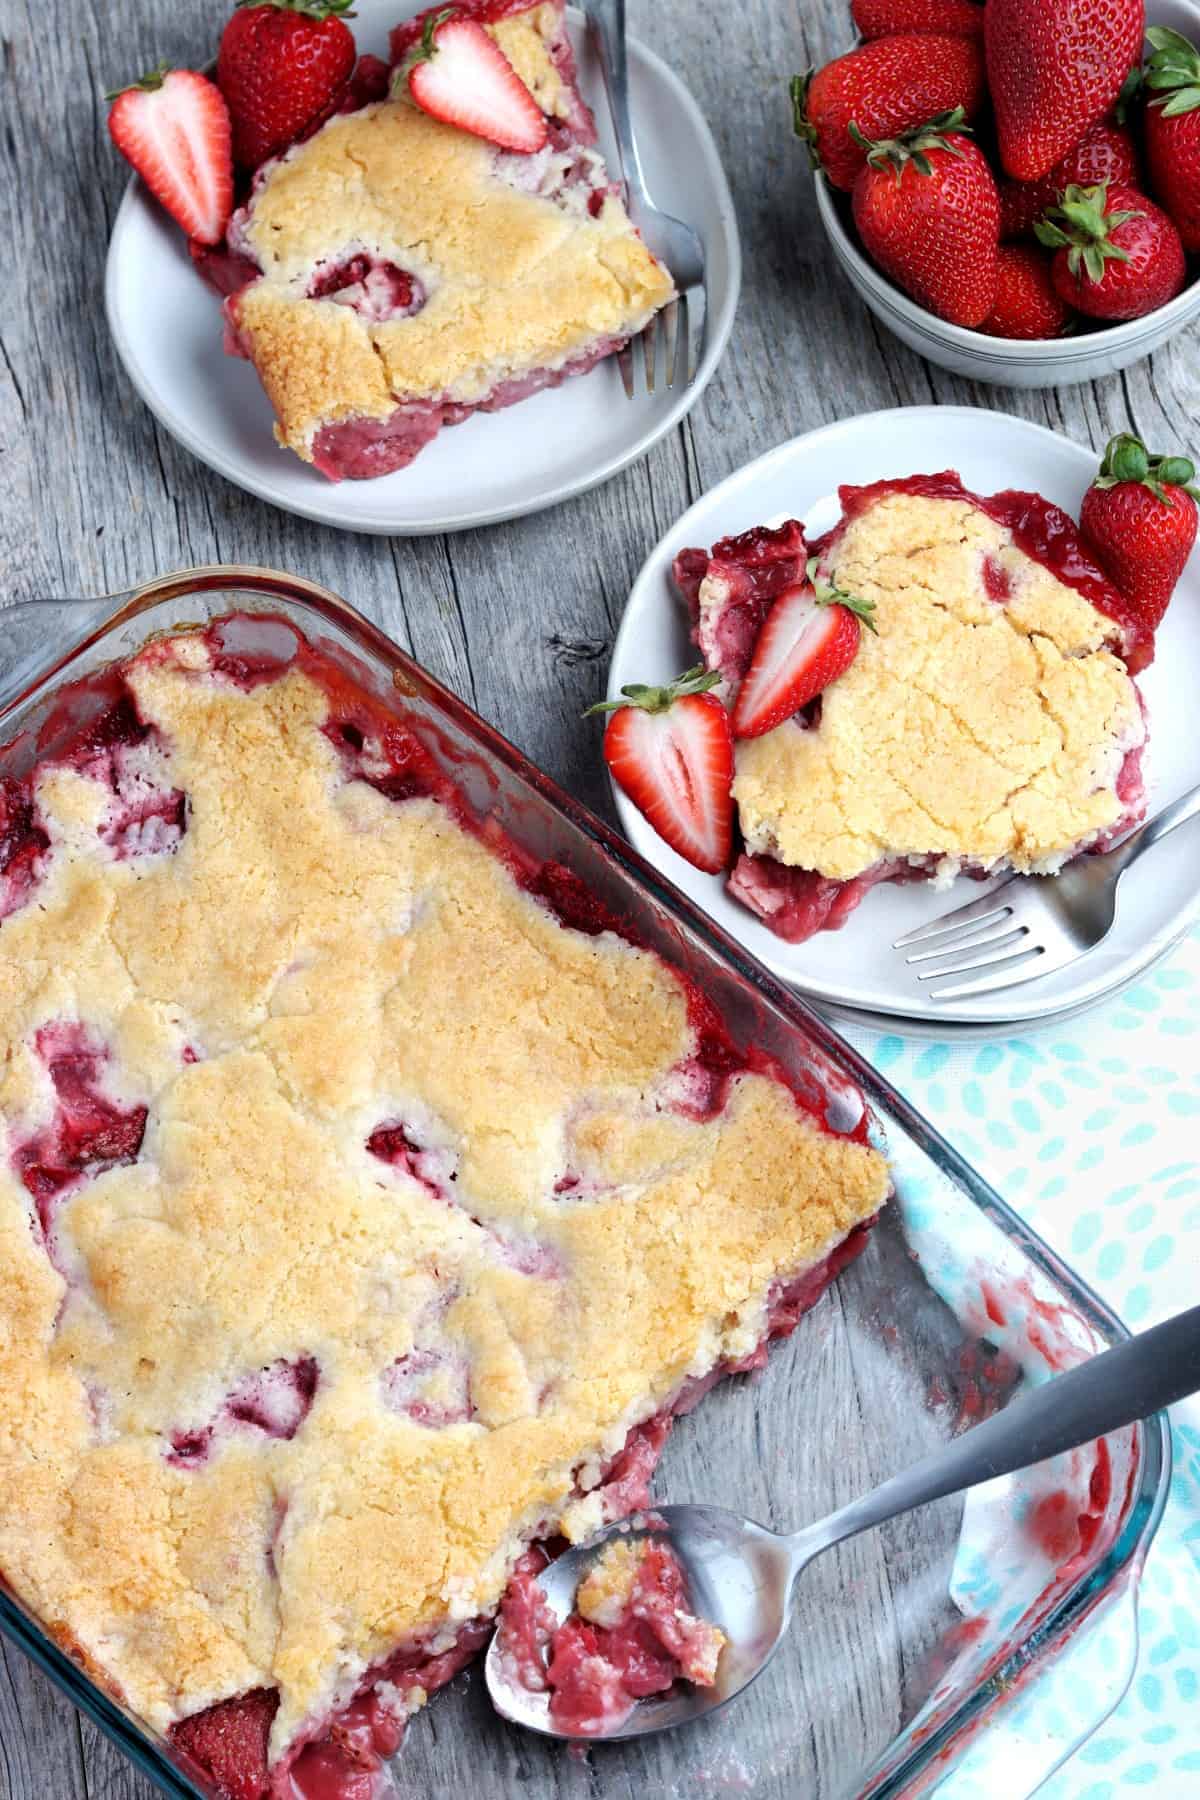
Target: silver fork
<point x="1031" y="925"/>
<point x="682" y="324"/>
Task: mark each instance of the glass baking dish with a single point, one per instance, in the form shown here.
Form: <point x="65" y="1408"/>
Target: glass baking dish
<point x="907" y="1641"/>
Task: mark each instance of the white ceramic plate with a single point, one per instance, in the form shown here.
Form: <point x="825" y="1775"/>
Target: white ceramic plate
<point x="856" y="967"/>
<point x="166" y="324"/>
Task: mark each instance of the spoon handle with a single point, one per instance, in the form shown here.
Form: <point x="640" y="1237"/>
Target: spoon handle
<point x="1113" y="1389"/>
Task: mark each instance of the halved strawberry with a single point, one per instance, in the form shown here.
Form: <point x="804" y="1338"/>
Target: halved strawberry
<point x="671" y="750"/>
<point x="173" y="126"/>
<point x="460" y="75"/>
<point x="810" y="637"/>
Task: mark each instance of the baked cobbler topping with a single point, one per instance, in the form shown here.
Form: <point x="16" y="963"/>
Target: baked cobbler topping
<point x="368" y="1203"/>
<point x="404" y="268"/>
<point x="971" y="727"/>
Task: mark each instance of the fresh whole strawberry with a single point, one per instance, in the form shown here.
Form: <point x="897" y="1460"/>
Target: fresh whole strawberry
<point x="810" y="637"/>
<point x="885" y="87"/>
<point x="1105" y="152"/>
<point x="1116" y="254"/>
<point x="671" y="750"/>
<point x="888" y="18"/>
<point x="460" y="75"/>
<point x="927" y="212"/>
<point x="283" y="66"/>
<point x="173" y="126"/>
<point x="1173" y="129"/>
<point x="1054" y="67"/>
<point x="1139" y="516"/>
<point x="1028" y="305"/>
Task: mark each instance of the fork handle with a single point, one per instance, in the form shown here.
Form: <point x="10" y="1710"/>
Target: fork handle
<point x="1138" y="842"/>
<point x="608" y="18"/>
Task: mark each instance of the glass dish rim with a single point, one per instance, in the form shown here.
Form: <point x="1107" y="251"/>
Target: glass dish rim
<point x="101" y="617"/>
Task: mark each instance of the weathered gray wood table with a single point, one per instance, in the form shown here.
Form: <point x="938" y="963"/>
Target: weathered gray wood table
<point x="95" y="496"/>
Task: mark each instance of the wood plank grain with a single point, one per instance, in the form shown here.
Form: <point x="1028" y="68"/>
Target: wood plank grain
<point x="94" y="496"/>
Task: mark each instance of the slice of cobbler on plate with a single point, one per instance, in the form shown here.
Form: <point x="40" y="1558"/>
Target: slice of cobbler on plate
<point x="392" y="273"/>
<point x="987" y="721"/>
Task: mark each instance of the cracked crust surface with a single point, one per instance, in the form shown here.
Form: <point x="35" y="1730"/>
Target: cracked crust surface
<point x="969" y="728"/>
<point x="313" y="961"/>
<point x="519" y="276"/>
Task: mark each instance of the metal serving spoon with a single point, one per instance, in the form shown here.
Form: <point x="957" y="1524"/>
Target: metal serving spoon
<point x="743" y="1577"/>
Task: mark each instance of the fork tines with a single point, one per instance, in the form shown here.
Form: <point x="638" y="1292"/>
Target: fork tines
<point x="679" y="328"/>
<point x="985" y="935"/>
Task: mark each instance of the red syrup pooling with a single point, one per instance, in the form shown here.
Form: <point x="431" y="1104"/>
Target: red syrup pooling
<point x="1062" y="1530"/>
<point x="23" y="844"/>
<point x="275" y="1400"/>
<point x="347" y="1764"/>
<point x="1042" y="530"/>
<point x="88" y="1132"/>
<point x="754" y="568"/>
<point x="377" y="290"/>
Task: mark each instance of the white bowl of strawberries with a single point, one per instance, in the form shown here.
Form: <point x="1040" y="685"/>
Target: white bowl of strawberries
<point x="1012" y="205"/>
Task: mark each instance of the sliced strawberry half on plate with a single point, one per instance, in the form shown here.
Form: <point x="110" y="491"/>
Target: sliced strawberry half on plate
<point x="671" y="750"/>
<point x="460" y="75"/>
<point x="173" y="126"/>
<point x="809" y="638"/>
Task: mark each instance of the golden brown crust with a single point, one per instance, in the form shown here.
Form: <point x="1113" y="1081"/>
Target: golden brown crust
<point x="514" y="280"/>
<point x="967" y="728"/>
<point x="336" y="961"/>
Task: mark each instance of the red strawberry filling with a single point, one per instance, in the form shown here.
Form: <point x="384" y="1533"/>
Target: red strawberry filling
<point x="375" y="289"/>
<point x="749" y="572"/>
<point x="275" y="1400"/>
<point x="357" y="449"/>
<point x="597" y="1672"/>
<point x="23" y="844"/>
<point x="145" y="817"/>
<point x="88" y="1132"/>
<point x="388" y="757"/>
<point x="393" y="1145"/>
<point x="229" y="1743"/>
